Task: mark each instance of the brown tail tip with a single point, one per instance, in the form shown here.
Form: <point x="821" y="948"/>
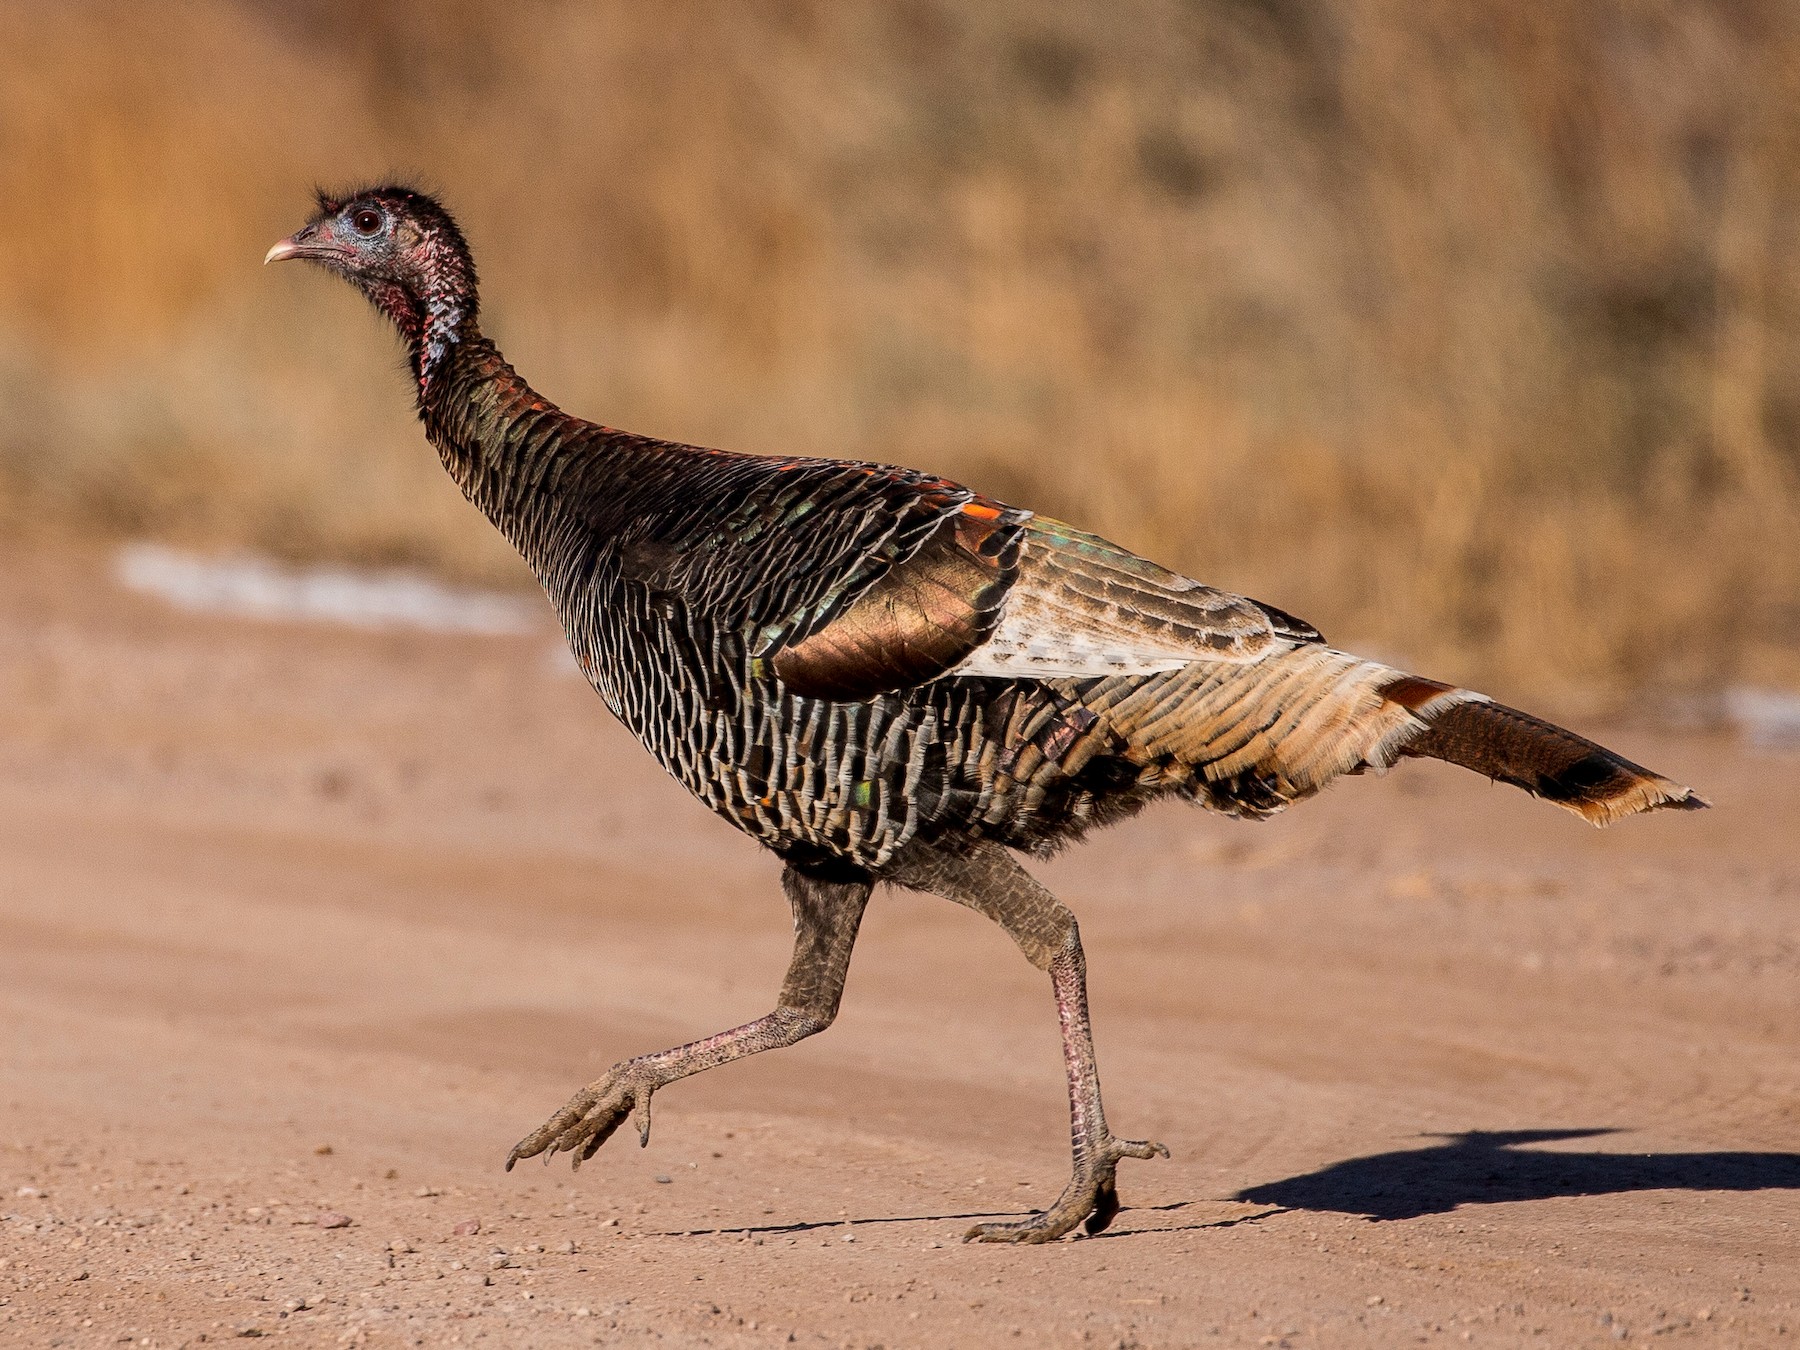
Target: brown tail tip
<point x="1544" y="759"/>
<point x="1599" y="785"/>
<point x="1650" y="792"/>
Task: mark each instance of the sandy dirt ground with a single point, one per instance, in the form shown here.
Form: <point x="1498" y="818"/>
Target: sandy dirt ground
<point x="301" y="928"/>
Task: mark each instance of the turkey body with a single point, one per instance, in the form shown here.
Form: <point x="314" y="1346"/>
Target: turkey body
<point x="821" y="652"/>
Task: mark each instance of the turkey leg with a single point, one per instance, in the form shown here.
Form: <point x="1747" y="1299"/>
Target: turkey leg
<point x="991" y="881"/>
<point x="827" y="912"/>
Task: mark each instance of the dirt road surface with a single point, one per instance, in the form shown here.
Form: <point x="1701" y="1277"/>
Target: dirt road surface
<point x="301" y="928"/>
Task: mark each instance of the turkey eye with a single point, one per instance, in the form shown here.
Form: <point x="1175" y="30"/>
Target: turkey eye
<point x="366" y="221"/>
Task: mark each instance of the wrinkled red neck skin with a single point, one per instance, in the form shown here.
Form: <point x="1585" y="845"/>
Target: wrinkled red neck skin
<point x="402" y="309"/>
<point x="434" y="319"/>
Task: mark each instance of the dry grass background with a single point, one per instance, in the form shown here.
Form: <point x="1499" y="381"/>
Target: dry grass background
<point x="1470" y="331"/>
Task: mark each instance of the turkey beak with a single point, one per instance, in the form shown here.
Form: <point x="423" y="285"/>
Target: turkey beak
<point x="303" y="243"/>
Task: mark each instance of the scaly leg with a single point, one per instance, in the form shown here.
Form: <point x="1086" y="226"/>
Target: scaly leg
<point x="990" y="880"/>
<point x="827" y="911"/>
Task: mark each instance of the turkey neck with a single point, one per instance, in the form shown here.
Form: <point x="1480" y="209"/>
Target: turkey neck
<point x="524" y="462"/>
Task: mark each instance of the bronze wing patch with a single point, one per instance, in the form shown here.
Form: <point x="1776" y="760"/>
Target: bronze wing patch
<point x="918" y="619"/>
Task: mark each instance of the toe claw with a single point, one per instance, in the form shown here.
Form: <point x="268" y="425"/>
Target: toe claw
<point x="1144" y="1149"/>
<point x="528" y="1147"/>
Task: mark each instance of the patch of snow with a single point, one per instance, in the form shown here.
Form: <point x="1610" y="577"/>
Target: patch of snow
<point x="1764" y="717"/>
<point x="258" y="588"/>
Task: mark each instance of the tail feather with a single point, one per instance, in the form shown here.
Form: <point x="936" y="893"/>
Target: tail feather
<point x="1250" y="738"/>
<point x="1510" y="746"/>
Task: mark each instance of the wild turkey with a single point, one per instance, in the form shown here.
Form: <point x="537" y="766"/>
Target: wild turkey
<point x="885" y="676"/>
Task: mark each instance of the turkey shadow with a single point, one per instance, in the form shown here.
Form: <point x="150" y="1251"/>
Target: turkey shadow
<point x="1486" y="1167"/>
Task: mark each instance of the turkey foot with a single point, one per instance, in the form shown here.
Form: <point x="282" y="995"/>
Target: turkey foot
<point x="592" y="1115"/>
<point x="1091" y="1198"/>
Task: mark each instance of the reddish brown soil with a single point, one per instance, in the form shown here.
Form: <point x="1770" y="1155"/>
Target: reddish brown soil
<point x="299" y="923"/>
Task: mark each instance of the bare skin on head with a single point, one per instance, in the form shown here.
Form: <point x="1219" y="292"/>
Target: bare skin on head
<point x="881" y="675"/>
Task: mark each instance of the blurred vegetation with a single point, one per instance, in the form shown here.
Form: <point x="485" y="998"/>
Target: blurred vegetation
<point x="1469" y="331"/>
